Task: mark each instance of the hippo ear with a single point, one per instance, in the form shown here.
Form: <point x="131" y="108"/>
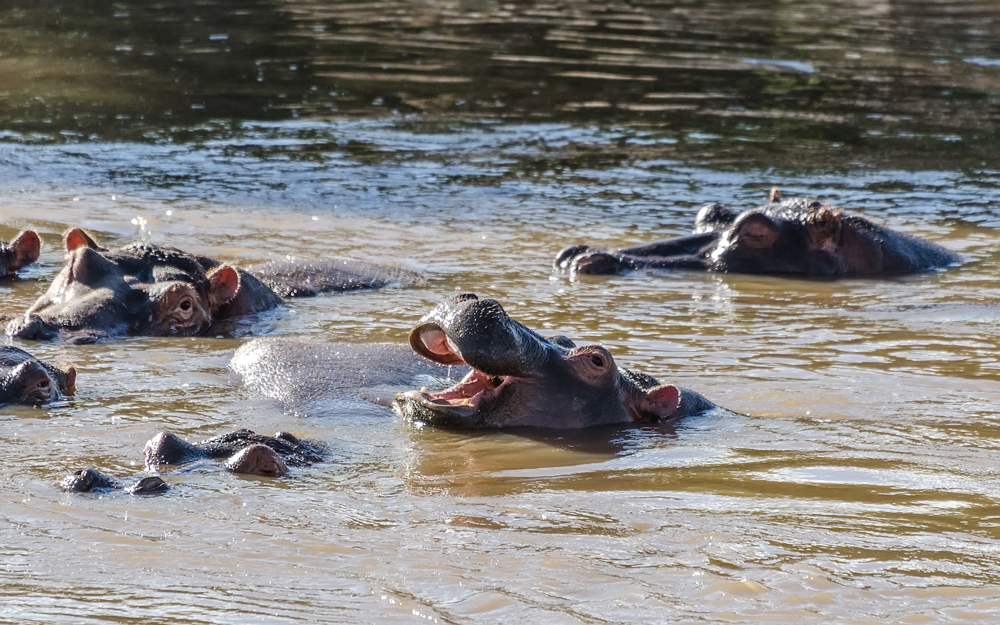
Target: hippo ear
<point x="223" y="283"/>
<point x="659" y="402"/>
<point x="69" y="383"/>
<point x="26" y="248"/>
<point x="77" y="237"/>
<point x="756" y="230"/>
<point x="824" y="229"/>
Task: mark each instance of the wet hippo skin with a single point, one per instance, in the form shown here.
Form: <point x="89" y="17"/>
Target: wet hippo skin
<point x="242" y="451"/>
<point x="22" y="251"/>
<point x="508" y="375"/>
<point x="798" y="236"/>
<point x="151" y="290"/>
<point x="26" y="380"/>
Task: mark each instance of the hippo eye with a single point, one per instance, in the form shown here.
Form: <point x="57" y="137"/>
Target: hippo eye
<point x="597" y="360"/>
<point x="186" y="305"/>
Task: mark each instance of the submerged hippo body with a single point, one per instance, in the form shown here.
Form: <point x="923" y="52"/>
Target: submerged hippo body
<point x="798" y="236"/>
<point x="508" y="375"/>
<point x="243" y="451"/>
<point x="151" y="290"/>
<point x="22" y="251"/>
<point x="26" y="380"/>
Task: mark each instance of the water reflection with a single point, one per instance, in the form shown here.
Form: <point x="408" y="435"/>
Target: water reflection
<point x="902" y="83"/>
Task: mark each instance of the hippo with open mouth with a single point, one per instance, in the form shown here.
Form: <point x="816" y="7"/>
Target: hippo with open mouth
<point x="510" y="375"/>
<point x="519" y="378"/>
<point x="20" y="252"/>
<point x="242" y="451"/>
<point x="797" y="236"/>
<point x="151" y="290"/>
<point x="26" y="380"/>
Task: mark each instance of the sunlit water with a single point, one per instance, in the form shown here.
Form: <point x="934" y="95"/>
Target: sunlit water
<point x="471" y="141"/>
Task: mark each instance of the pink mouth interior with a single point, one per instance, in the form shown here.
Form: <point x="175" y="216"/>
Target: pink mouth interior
<point x="468" y="392"/>
<point x="471" y="389"/>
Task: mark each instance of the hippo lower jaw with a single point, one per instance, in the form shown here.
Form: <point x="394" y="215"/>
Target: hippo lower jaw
<point x="461" y="400"/>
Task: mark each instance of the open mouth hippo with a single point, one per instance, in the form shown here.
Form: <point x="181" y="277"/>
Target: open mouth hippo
<point x="26" y="380"/>
<point x="519" y="378"/>
<point x="151" y="290"/>
<point x="243" y="451"/>
<point x="798" y="236"/>
<point x="20" y="252"/>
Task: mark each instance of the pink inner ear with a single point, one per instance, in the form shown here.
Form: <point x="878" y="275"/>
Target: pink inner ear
<point x="663" y="400"/>
<point x="76" y="238"/>
<point x="70" y="380"/>
<point x="27" y="247"/>
<point x="222" y="285"/>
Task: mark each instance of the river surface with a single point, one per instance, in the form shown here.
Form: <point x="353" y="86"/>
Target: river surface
<point x="471" y="140"/>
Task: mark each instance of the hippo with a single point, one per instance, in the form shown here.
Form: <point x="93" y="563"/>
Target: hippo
<point x="152" y="290"/>
<point x="509" y="376"/>
<point x="519" y="378"/>
<point x="244" y="452"/>
<point x="26" y="380"/>
<point x="92" y="480"/>
<point x="22" y="251"/>
<point x="796" y="236"/>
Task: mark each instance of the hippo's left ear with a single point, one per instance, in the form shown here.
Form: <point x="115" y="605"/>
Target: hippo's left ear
<point x="27" y="247"/>
<point x="659" y="402"/>
<point x="223" y="283"/>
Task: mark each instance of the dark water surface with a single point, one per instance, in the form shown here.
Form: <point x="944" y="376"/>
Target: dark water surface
<point x="472" y="140"/>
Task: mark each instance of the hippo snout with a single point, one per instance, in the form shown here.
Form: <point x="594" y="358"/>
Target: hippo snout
<point x="28" y="328"/>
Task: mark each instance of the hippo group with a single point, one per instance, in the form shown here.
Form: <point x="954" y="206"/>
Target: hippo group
<point x="509" y="376"/>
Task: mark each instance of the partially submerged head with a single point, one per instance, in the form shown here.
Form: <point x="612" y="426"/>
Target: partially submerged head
<point x="139" y="289"/>
<point x="26" y="380"/>
<point x="20" y="252"/>
<point x="519" y="378"/>
<point x="793" y="237"/>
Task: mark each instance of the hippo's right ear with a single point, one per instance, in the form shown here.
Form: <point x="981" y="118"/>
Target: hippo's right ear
<point x="223" y="283"/>
<point x="69" y="384"/>
<point x="77" y="237"/>
<point x="659" y="402"/>
<point x="27" y="246"/>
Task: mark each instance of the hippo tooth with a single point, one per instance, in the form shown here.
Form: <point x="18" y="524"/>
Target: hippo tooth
<point x="423" y="389"/>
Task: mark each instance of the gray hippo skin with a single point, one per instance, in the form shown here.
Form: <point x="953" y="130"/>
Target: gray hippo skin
<point x="798" y="236"/>
<point x="26" y="380"/>
<point x="20" y="252"/>
<point x="243" y="451"/>
<point x="509" y="375"/>
<point x="520" y="378"/>
<point x="151" y="290"/>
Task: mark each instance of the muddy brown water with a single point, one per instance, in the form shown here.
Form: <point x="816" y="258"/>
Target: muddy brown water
<point x="472" y="140"/>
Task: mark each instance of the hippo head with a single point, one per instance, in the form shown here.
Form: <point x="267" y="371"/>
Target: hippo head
<point x="519" y="378"/>
<point x="798" y="236"/>
<point x="20" y="252"/>
<point x="139" y="289"/>
<point x="26" y="380"/>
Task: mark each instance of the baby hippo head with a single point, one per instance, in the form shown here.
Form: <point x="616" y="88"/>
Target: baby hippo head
<point x="519" y="378"/>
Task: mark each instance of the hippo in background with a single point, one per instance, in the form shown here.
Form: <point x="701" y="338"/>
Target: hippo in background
<point x="798" y="236"/>
<point x="151" y="290"/>
<point x="243" y="452"/>
<point x="510" y="376"/>
<point x="26" y="380"/>
<point x="22" y="251"/>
